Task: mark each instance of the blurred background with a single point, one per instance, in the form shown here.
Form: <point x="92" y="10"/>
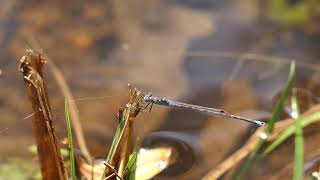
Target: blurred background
<point x="232" y="55"/>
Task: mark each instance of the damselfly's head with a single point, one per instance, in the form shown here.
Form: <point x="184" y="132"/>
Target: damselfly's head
<point x="147" y="96"/>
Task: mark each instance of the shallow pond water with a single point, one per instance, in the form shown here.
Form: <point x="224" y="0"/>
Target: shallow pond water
<point x="197" y="53"/>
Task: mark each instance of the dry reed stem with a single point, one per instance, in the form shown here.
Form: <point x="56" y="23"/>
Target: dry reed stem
<point x="51" y="163"/>
<point x="124" y="146"/>
<point x="76" y="124"/>
<point x="62" y="83"/>
<point x="246" y="149"/>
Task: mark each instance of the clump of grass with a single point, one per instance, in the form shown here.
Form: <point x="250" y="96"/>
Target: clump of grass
<point x="118" y="156"/>
<point x="70" y="141"/>
<point x="121" y="160"/>
<point x="268" y="130"/>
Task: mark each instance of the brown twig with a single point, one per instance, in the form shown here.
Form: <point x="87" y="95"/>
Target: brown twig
<point x="51" y="163"/>
<point x="246" y="149"/>
<point x="58" y="76"/>
<point x="76" y="124"/>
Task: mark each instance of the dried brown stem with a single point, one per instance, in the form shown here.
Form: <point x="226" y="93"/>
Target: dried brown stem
<point x="51" y="163"/>
<point x="246" y="149"/>
<point x="124" y="146"/>
<point x="76" y="124"/>
<point x="58" y="76"/>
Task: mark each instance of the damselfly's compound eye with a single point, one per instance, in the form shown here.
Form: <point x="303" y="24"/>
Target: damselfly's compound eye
<point x="147" y="98"/>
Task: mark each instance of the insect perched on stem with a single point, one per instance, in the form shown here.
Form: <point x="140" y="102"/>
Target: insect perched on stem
<point x="201" y="109"/>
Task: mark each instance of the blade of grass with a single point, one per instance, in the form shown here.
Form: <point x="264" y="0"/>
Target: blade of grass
<point x="70" y="141"/>
<point x="116" y="138"/>
<point x="284" y="96"/>
<point x="294" y="105"/>
<point x="298" y="141"/>
<point x="130" y="170"/>
<point x="268" y="130"/>
<point x="123" y="114"/>
<point x="123" y="119"/>
<point x="289" y="131"/>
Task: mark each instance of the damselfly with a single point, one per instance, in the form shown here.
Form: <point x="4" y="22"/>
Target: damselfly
<point x="201" y="109"/>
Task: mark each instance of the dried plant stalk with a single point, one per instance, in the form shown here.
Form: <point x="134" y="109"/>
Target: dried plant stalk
<point x="65" y="90"/>
<point x="122" y="146"/>
<point x="76" y="123"/>
<point x="51" y="163"/>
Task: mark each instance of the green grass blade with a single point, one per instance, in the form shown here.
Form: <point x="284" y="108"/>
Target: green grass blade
<point x="290" y="130"/>
<point x="116" y="138"/>
<point x="279" y="106"/>
<point x="294" y="105"/>
<point x="70" y="142"/>
<point x="130" y="170"/>
<point x="275" y="117"/>
<point x="298" y="140"/>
